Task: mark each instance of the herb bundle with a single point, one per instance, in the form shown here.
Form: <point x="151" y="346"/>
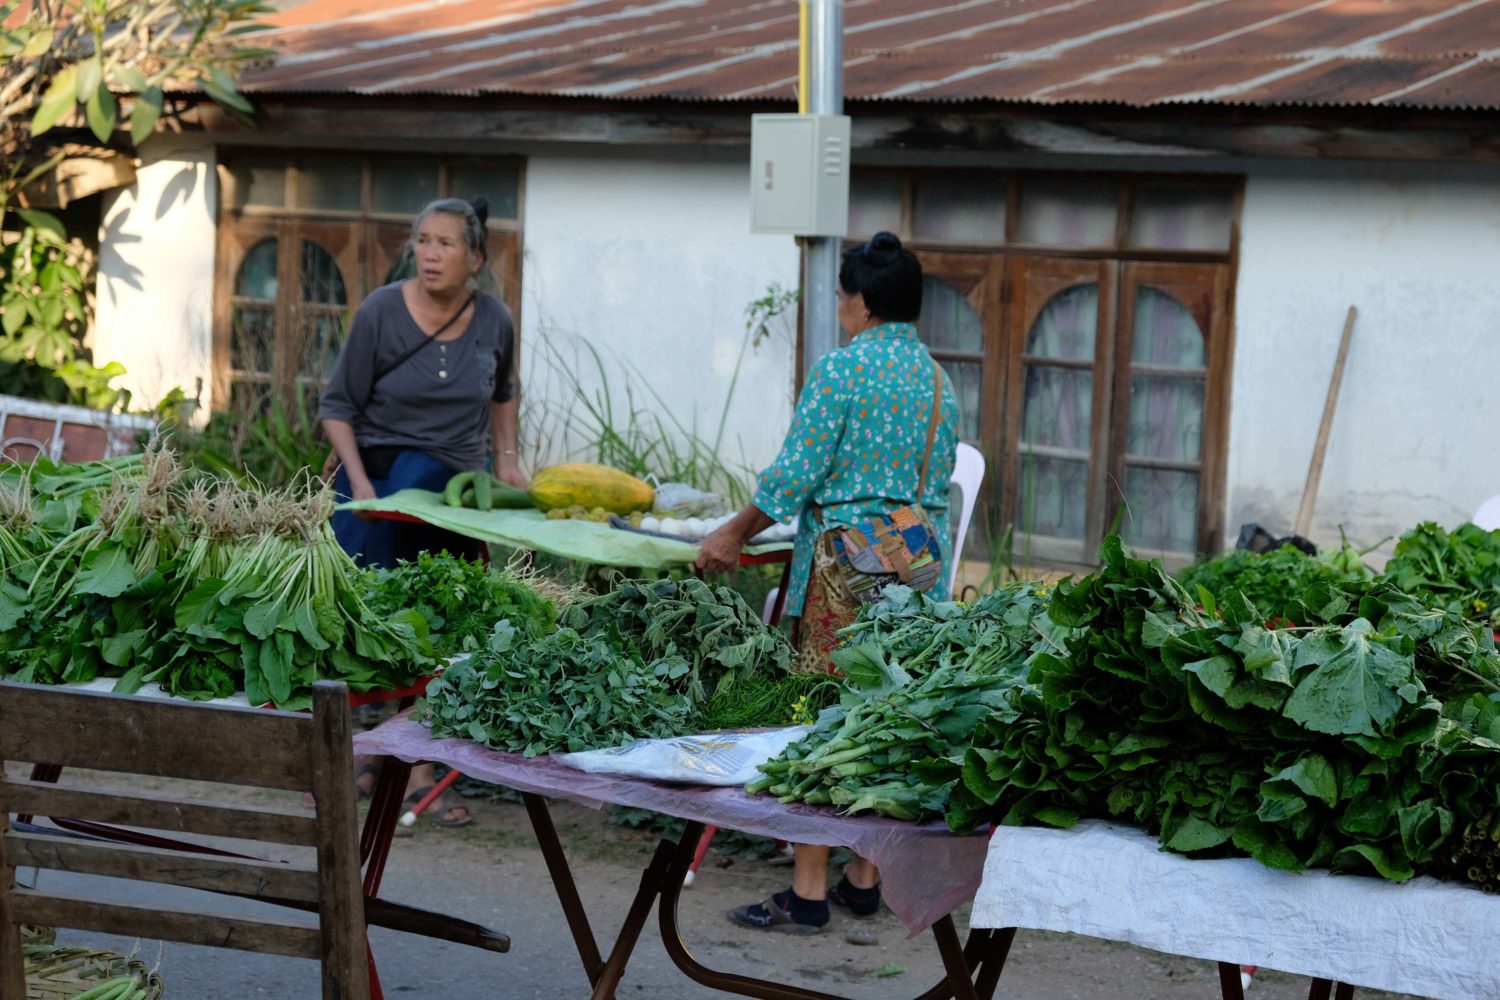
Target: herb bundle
<point x="460" y="599"/>
<point x="1273" y="581"/>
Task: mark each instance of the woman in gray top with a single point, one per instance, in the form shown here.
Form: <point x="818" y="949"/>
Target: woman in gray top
<point x="425" y="386"/>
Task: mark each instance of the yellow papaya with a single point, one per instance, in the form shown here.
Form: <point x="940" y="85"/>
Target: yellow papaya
<point x="589" y="486"/>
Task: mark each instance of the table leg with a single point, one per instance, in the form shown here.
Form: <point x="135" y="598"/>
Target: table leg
<point x="661" y="866"/>
<point x="380" y="823"/>
<point x="566" y="888"/>
<point x="1321" y="989"/>
<point x="954" y="963"/>
<point x="992" y="964"/>
<point x="1231" y="987"/>
<point x="1343" y="991"/>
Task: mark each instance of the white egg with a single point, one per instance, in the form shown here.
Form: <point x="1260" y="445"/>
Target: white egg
<point x="694" y="528"/>
<point x="649" y="523"/>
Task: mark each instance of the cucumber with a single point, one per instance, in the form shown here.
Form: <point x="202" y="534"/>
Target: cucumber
<point x="108" y="989"/>
<point x="453" y="492"/>
<point x="484" y="490"/>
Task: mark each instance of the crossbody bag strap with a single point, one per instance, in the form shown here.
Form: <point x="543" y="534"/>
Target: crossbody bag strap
<point x="932" y="426"/>
<point x="413" y="352"/>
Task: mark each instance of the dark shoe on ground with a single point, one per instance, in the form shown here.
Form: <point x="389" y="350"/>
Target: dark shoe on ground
<point x="784" y="913"/>
<point x="859" y="902"/>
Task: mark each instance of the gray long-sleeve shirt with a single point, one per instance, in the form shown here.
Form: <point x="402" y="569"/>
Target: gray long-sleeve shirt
<point x="438" y="401"/>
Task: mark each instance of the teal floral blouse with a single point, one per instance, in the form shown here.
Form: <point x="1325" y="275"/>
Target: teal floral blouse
<point x="855" y="447"/>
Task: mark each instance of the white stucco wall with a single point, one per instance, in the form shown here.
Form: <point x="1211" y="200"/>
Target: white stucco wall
<point x="651" y="260"/>
<point x="156" y="271"/>
<point x="1415" y="249"/>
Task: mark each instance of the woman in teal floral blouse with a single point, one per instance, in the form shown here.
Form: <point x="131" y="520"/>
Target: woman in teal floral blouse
<point x="855" y="450"/>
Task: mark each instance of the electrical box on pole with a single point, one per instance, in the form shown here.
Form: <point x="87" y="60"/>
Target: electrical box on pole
<point x="799" y="174"/>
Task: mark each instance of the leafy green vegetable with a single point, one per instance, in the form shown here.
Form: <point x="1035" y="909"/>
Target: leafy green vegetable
<point x="205" y="592"/>
<point x="1272" y="581"/>
<point x="919" y="676"/>
<point x="1458" y="570"/>
<point x="640" y="661"/>
<point x="1326" y="744"/>
<point x="460" y="599"/>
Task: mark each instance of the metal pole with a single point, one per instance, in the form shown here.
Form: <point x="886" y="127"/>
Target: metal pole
<point x="825" y="96"/>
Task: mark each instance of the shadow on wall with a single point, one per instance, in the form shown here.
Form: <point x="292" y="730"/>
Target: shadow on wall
<point x="113" y="267"/>
<point x="179" y="189"/>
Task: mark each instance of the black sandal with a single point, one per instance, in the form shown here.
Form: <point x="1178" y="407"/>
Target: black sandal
<point x="372" y="769"/>
<point x="438" y="811"/>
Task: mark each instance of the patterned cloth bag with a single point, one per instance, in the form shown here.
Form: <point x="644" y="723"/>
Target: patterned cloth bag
<point x="899" y="547"/>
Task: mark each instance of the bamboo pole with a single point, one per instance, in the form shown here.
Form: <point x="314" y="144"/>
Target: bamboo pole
<point x="1320" y="447"/>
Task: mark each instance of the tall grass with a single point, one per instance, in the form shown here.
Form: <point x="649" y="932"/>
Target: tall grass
<point x="585" y="411"/>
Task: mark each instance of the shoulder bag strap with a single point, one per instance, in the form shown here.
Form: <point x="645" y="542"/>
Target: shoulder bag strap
<point x="413" y="351"/>
<point x="932" y="425"/>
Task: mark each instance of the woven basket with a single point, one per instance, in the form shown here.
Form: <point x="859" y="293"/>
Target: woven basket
<point x="56" y="973"/>
<point x="31" y="934"/>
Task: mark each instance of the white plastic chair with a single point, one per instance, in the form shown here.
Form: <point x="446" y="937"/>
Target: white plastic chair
<point x="1488" y="514"/>
<point x="968" y="474"/>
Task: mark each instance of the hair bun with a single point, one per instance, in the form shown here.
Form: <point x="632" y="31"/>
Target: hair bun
<point x="481" y="207"/>
<point x="884" y="248"/>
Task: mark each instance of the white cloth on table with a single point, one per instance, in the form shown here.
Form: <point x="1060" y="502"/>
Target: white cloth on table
<point x="1424" y="937"/>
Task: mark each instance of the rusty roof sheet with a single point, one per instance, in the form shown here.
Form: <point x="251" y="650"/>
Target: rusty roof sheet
<point x="1140" y="53"/>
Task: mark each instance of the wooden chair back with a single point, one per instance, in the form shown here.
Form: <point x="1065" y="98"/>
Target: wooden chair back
<point x="175" y="739"/>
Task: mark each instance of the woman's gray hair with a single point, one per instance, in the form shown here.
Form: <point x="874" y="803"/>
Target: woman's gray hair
<point x="474" y="235"/>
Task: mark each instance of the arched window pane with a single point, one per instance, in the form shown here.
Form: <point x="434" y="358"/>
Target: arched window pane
<point x="1165" y="332"/>
<point x="321" y="322"/>
<point x="1068" y="325"/>
<point x="257" y="276"/>
<point x="322" y="281"/>
<point x="948" y="322"/>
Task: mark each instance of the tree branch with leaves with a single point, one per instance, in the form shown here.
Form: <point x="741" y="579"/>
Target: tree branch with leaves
<point x="63" y="56"/>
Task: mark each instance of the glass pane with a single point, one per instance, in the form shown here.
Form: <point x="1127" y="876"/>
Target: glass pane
<point x="1165" y="332"/>
<point x="1181" y="218"/>
<point x="874" y="205"/>
<point x="961" y="208"/>
<point x="948" y="322"/>
<point x="1054" y="496"/>
<point x="968" y="383"/>
<point x="322" y="334"/>
<point x="259" y="184"/>
<point x="501" y="186"/>
<point x="321" y="279"/>
<point x="334" y="185"/>
<point x="1161" y="509"/>
<point x="1067" y="326"/>
<point x="1058" y="407"/>
<point x="257" y="277"/>
<point x="1166" y="418"/>
<point x="403" y="187"/>
<point x="252" y="332"/>
<point x="1068" y="213"/>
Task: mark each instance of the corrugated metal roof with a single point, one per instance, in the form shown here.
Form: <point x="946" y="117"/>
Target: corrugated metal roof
<point x="1400" y="53"/>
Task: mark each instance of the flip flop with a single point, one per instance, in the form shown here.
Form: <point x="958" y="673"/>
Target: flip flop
<point x="437" y="810"/>
<point x="768" y="916"/>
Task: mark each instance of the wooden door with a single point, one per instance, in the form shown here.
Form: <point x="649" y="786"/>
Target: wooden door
<point x="1170" y="389"/>
<point x="1057" y="403"/>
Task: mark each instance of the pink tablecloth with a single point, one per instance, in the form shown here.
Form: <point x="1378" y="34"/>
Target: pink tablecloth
<point x="927" y="871"/>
